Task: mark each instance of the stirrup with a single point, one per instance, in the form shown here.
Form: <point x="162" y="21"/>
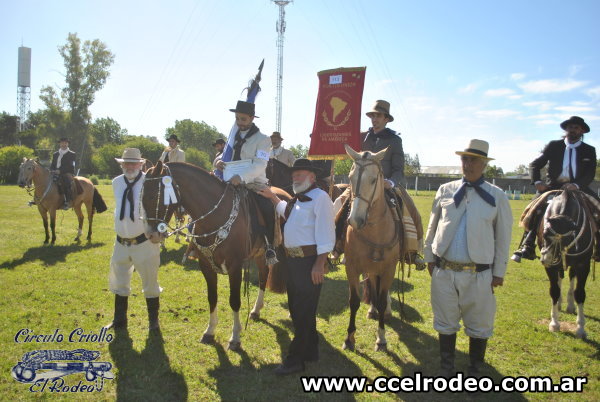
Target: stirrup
<point x="271" y="255"/>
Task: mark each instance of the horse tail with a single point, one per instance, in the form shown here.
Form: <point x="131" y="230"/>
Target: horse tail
<point x="98" y="203"/>
<point x="277" y="274"/>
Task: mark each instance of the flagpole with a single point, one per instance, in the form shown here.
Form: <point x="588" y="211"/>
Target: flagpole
<point x="331" y="178"/>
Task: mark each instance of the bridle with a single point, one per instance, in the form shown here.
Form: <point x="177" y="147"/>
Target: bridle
<point x="31" y="189"/>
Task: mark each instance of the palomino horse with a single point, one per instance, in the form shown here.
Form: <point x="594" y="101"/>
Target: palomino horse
<point x="220" y="216"/>
<point x="372" y="240"/>
<point x="48" y="199"/>
<point x="567" y="242"/>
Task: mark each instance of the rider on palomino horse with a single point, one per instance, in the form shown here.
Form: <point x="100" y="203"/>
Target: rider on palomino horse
<point x="571" y="165"/>
<point x="63" y="165"/>
<point x="378" y="138"/>
<point x="252" y="145"/>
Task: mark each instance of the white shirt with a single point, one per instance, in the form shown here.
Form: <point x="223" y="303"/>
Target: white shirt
<point x="458" y="250"/>
<point x="127" y="228"/>
<point x="564" y="176"/>
<point x="61" y="153"/>
<point x="310" y="222"/>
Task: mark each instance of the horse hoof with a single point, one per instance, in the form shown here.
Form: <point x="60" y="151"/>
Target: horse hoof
<point x="373" y="315"/>
<point x="348" y="346"/>
<point x="581" y="334"/>
<point x="254" y="316"/>
<point x="571" y="310"/>
<point x="554" y="327"/>
<point x="234" y="346"/>
<point x="381" y="347"/>
<point x="207" y="339"/>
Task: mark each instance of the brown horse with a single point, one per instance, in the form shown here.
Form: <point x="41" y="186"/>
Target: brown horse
<point x="372" y="240"/>
<point x="48" y="199"/>
<point x="220" y="214"/>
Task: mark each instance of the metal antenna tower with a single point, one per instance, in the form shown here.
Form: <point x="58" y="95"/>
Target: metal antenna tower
<point x="23" y="86"/>
<point x="280" y="28"/>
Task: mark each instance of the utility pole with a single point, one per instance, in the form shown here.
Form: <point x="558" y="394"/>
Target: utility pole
<point x="280" y="27"/>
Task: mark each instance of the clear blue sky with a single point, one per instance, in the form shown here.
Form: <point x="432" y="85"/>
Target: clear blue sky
<point x="505" y="71"/>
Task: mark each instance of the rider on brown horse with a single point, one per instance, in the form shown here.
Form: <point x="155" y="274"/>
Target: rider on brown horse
<point x="63" y="165"/>
<point x="253" y="146"/>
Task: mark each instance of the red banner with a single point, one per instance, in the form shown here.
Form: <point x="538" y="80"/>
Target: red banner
<point x="337" y="115"/>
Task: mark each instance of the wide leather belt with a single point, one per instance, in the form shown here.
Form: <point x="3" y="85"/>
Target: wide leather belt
<point x="460" y="266"/>
<point x="302" y="251"/>
<point x="132" y="241"/>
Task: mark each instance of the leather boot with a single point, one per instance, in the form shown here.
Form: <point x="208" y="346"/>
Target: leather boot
<point x="120" y="319"/>
<point x="477" y="348"/>
<point x="153" y="304"/>
<point x="447" y="352"/>
<point x="527" y="249"/>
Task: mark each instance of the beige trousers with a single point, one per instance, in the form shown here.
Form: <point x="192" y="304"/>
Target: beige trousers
<point x="467" y="295"/>
<point x="145" y="258"/>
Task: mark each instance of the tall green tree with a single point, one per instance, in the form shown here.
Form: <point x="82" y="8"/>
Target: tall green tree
<point x="493" y="171"/>
<point x="299" y="151"/>
<point x="412" y="166"/>
<point x="106" y="130"/>
<point x="194" y="134"/>
<point x="87" y="69"/>
<point x="8" y="129"/>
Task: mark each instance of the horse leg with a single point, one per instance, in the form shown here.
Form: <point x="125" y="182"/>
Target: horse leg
<point x="373" y="310"/>
<point x="89" y="206"/>
<point x="211" y="282"/>
<point x="77" y="208"/>
<point x="263" y="274"/>
<point x="570" y="295"/>
<point x="560" y="295"/>
<point x="553" y="276"/>
<point x="581" y="272"/>
<point x="354" y="302"/>
<point x="44" y="214"/>
<point x="53" y="225"/>
<point x="382" y="302"/>
<point x="235" y="283"/>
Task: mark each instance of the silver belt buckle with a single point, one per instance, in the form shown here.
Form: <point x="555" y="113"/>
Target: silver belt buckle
<point x="295" y="252"/>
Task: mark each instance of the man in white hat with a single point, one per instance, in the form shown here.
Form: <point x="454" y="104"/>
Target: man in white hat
<point x="466" y="249"/>
<point x="132" y="250"/>
<point x="279" y="152"/>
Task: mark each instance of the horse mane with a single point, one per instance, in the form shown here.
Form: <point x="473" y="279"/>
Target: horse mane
<point x="188" y="167"/>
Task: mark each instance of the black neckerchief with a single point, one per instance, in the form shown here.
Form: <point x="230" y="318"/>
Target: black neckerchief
<point x="302" y="197"/>
<point x="460" y="193"/>
<point x="128" y="196"/>
<point x="239" y="142"/>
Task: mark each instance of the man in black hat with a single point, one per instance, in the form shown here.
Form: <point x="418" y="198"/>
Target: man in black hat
<point x="63" y="164"/>
<point x="219" y="146"/>
<point x="571" y="165"/>
<point x="253" y="146"/>
<point x="309" y="236"/>
<point x="173" y="153"/>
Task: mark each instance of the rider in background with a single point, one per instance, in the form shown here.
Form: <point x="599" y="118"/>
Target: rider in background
<point x="571" y="166"/>
<point x="63" y="164"/>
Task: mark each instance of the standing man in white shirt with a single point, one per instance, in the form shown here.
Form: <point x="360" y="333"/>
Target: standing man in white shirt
<point x="466" y="249"/>
<point x="309" y="236"/>
<point x="132" y="250"/>
<point x="279" y="152"/>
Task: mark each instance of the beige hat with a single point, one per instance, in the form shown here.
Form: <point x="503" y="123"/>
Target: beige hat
<point x="131" y="155"/>
<point x="381" y="106"/>
<point x="477" y="148"/>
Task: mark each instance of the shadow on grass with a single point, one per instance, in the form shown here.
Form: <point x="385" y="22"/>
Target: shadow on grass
<point x="262" y="380"/>
<point x="49" y="255"/>
<point x="146" y="375"/>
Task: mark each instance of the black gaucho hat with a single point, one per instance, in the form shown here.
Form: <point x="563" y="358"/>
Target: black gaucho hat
<point x="173" y="137"/>
<point x="244" y="107"/>
<point x="304" y="164"/>
<point x="219" y="141"/>
<point x="64" y="139"/>
<point x="575" y="120"/>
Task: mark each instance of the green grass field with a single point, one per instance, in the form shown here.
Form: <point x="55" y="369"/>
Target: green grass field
<point x="64" y="287"/>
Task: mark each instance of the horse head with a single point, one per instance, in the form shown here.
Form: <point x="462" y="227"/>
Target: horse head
<point x="562" y="222"/>
<point x="158" y="206"/>
<point x="26" y="172"/>
<point x="366" y="183"/>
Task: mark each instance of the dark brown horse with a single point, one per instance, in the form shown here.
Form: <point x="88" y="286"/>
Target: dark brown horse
<point x="373" y="240"/>
<point x="48" y="199"/>
<point x="567" y="243"/>
<point x="220" y="214"/>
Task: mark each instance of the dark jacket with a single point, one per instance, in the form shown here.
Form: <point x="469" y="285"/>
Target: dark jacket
<point x="393" y="161"/>
<point x="67" y="163"/>
<point x="553" y="155"/>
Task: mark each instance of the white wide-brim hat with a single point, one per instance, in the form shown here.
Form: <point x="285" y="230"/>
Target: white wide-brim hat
<point x="131" y="155"/>
<point x="477" y="148"/>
